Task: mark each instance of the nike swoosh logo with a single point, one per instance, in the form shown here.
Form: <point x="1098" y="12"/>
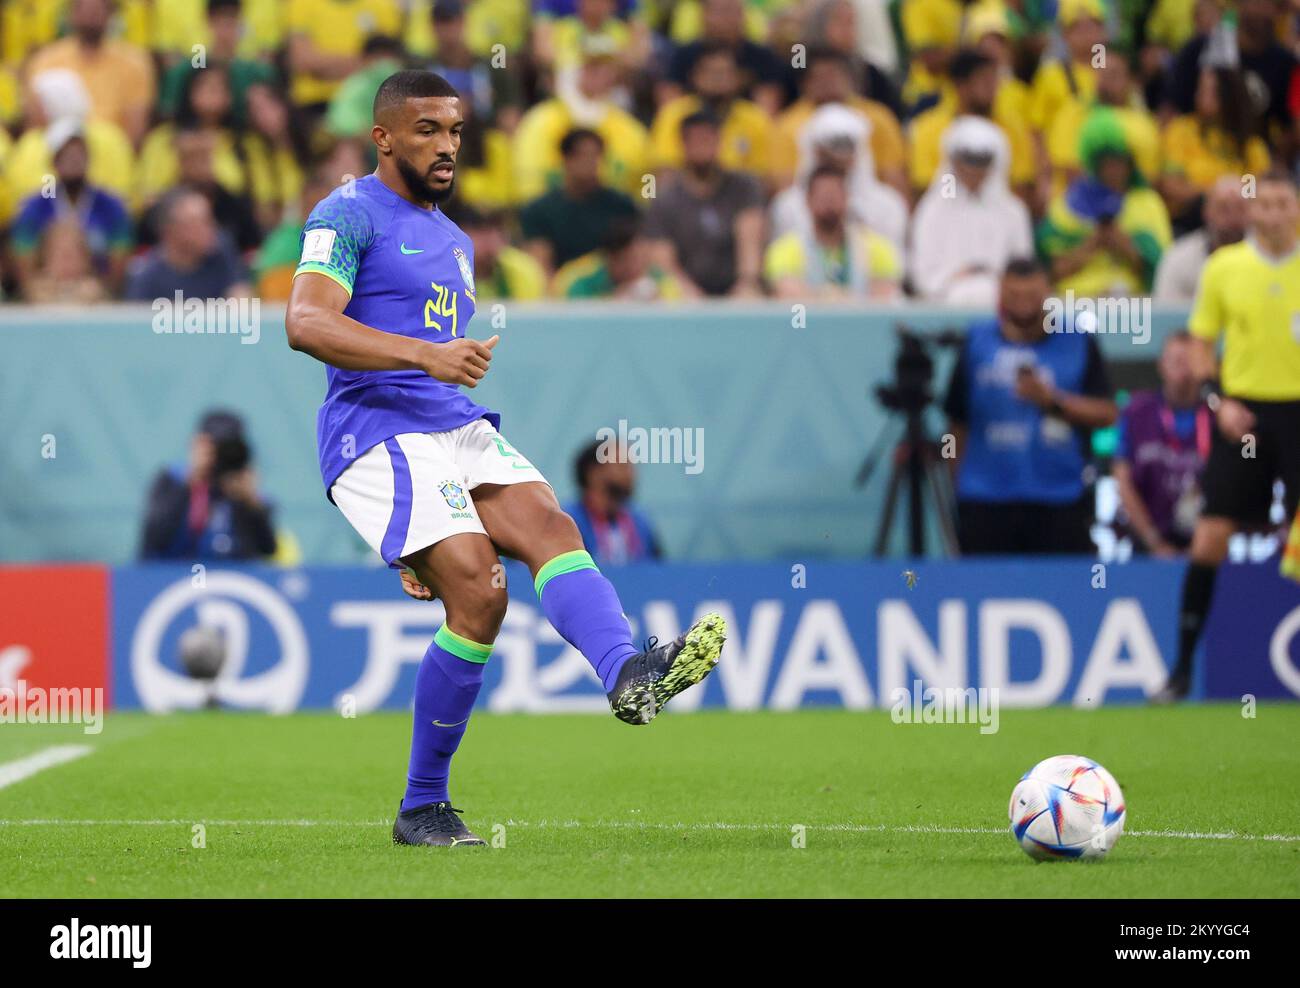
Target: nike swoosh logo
<point x="438" y="723"/>
<point x="419" y="250"/>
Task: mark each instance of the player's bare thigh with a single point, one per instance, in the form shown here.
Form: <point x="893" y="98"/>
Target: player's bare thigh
<point x="525" y="522"/>
<point x="461" y="570"/>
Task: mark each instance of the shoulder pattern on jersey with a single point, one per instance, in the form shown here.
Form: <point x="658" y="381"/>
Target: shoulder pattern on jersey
<point x="339" y="230"/>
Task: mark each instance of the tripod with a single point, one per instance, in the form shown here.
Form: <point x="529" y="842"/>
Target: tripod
<point x="917" y="463"/>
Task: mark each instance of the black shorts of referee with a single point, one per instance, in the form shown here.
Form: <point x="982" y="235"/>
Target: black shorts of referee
<point x="1240" y="486"/>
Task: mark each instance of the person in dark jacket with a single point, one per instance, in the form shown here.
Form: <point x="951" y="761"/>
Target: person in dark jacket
<point x="614" y="530"/>
<point x="213" y="509"/>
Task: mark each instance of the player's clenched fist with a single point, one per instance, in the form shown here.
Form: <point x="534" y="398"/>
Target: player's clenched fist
<point x="462" y="361"/>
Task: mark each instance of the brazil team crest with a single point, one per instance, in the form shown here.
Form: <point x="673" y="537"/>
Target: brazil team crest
<point x="453" y="494"/>
<point x="466" y="272"/>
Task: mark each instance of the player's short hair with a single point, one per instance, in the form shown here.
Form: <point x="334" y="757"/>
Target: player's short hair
<point x="1180" y="335"/>
<point x="966" y="63"/>
<point x="411" y="84"/>
<point x="1024" y="267"/>
<point x="570" y="141"/>
<point x="223" y="7"/>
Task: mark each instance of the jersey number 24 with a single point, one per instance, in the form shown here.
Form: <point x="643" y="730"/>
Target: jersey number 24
<point x="441" y="306"/>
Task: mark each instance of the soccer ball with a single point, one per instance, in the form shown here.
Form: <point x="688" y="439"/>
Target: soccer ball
<point x="1067" y="807"/>
<point x="203" y="651"/>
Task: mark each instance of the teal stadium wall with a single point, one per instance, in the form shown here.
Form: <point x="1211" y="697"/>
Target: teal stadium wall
<point x="788" y="415"/>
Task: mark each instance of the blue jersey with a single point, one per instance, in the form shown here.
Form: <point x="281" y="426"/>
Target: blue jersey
<point x="1014" y="452"/>
<point x="409" y="271"/>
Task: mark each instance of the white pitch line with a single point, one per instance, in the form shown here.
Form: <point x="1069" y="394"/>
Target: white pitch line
<point x="25" y="768"/>
<point x="639" y="825"/>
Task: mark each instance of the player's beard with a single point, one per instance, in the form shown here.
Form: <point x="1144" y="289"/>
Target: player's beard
<point x="420" y="188"/>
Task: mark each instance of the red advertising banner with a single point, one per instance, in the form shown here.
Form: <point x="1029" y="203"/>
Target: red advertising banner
<point x="54" y="627"/>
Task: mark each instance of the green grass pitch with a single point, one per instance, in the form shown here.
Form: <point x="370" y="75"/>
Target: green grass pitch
<point x="701" y="804"/>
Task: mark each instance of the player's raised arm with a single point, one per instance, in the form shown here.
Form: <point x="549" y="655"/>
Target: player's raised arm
<point x="315" y="324"/>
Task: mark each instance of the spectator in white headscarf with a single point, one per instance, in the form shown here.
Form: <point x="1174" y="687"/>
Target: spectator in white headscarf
<point x="60" y="93"/>
<point x="837" y="136"/>
<point x="60" y="96"/>
<point x="969" y="223"/>
<point x="837" y="257"/>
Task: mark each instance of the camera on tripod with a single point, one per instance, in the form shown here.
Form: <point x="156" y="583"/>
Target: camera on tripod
<point x="910" y="391"/>
<point x="917" y="461"/>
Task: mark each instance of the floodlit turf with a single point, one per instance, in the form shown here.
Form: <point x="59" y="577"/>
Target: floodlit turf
<point x="693" y="805"/>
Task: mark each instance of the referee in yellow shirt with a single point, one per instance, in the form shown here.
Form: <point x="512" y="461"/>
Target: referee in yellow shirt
<point x="1249" y="295"/>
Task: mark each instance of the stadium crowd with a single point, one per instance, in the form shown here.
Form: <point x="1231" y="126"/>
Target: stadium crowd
<point x="652" y="149"/>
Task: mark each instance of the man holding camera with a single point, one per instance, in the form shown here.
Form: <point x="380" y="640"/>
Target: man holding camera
<point x="1020" y="403"/>
<point x="212" y="510"/>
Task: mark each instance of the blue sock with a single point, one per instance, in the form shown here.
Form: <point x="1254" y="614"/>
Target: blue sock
<point x="584" y="608"/>
<point x="445" y="689"/>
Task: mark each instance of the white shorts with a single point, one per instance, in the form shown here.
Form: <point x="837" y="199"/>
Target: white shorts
<point x="413" y="490"/>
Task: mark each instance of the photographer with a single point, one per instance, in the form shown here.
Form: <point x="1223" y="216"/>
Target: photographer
<point x="614" y="529"/>
<point x="1020" y="404"/>
<point x="213" y="510"/>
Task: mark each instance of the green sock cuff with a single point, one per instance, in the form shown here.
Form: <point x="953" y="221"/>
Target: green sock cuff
<point x="461" y="647"/>
<point x="565" y="562"/>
